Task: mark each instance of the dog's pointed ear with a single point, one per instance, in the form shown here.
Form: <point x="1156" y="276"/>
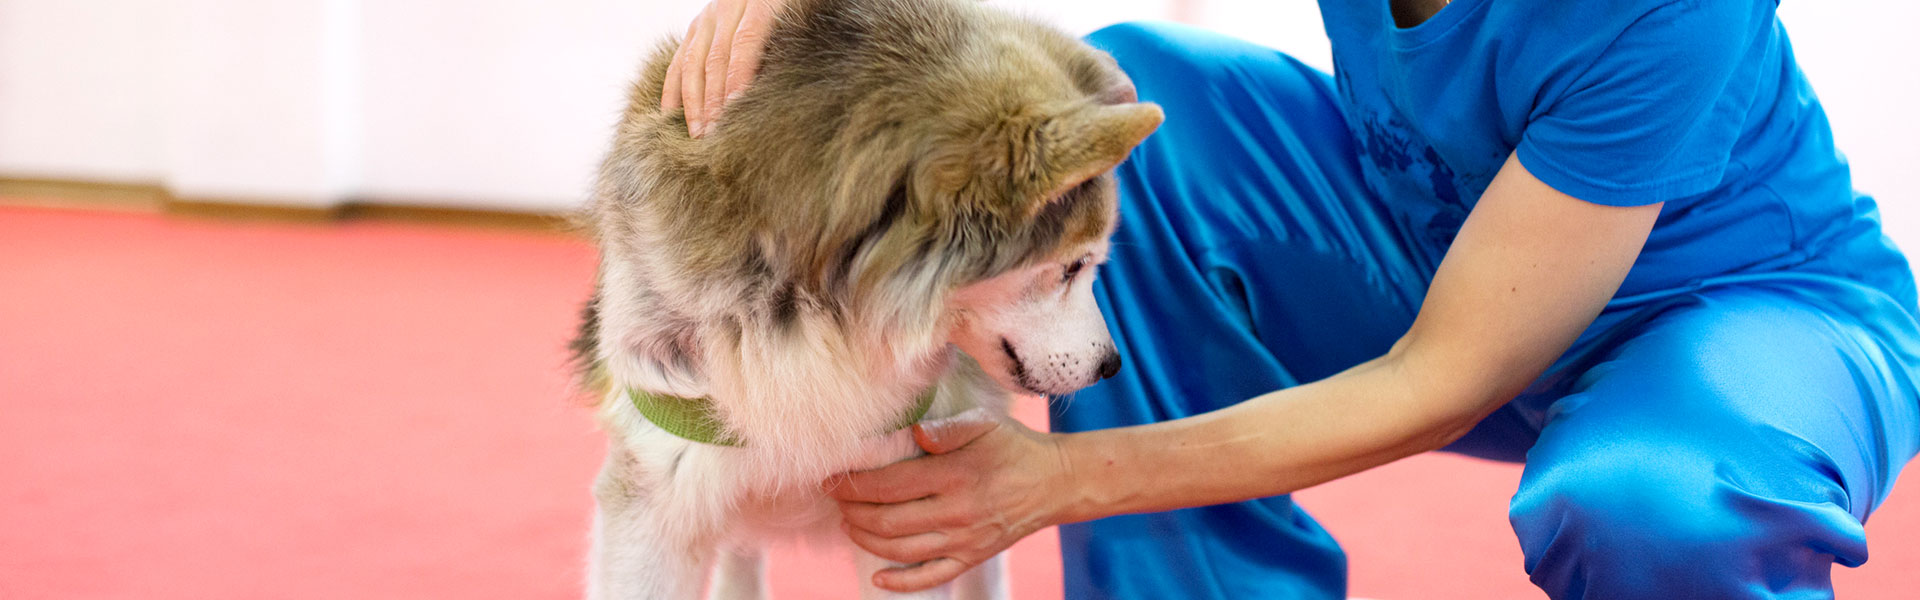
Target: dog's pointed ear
<point x="1086" y="141"/>
<point x="1017" y="165"/>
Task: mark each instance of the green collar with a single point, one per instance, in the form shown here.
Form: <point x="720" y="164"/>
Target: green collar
<point x="693" y="418"/>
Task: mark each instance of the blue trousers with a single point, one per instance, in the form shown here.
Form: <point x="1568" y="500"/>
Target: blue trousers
<point x="1723" y="440"/>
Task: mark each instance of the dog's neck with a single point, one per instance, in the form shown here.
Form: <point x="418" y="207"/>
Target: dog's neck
<point x="811" y="389"/>
<point x="693" y="419"/>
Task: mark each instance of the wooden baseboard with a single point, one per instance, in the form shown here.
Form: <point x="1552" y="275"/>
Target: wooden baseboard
<point x="66" y="193"/>
<point x="248" y="210"/>
<point x="79" y="194"/>
<point x="441" y="215"/>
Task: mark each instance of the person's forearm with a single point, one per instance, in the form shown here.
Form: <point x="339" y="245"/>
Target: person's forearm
<point x="1276" y="443"/>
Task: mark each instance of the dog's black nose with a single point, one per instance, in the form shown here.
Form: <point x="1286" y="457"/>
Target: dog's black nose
<point x="1110" y="365"/>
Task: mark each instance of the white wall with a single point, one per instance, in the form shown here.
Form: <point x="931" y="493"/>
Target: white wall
<point x="500" y="103"/>
<point x="262" y="103"/>
<point x="508" y="103"/>
<point x="1864" y="60"/>
<point x="80" y="89"/>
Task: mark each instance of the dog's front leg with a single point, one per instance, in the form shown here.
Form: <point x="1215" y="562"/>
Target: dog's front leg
<point x="636" y="555"/>
<point x="867" y="564"/>
<point x="739" y="575"/>
<point x="985" y="581"/>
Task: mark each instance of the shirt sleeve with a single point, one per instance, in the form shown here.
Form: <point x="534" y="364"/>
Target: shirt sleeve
<point x="1655" y="114"/>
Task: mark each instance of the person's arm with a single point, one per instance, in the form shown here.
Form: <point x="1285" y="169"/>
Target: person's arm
<point x="1529" y="270"/>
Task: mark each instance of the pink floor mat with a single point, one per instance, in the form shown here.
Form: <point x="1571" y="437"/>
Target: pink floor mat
<point x="206" y="409"/>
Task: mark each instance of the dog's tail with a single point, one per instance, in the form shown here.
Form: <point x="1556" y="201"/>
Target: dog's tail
<point x="584" y="352"/>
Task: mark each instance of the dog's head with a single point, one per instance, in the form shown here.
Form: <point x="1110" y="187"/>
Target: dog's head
<point x="1006" y="208"/>
<point x="929" y="172"/>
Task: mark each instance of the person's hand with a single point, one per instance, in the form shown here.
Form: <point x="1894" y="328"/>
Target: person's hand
<point x="986" y="484"/>
<point x="717" y="58"/>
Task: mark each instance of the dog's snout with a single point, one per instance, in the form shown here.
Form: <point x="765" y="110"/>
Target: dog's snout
<point x="1110" y="365"/>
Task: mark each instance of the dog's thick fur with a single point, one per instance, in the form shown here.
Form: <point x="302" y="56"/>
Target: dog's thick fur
<point x="903" y="178"/>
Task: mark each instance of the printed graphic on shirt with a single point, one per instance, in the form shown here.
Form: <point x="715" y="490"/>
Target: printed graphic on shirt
<point x="1396" y="151"/>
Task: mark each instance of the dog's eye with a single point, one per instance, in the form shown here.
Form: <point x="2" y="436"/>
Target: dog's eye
<point x="1073" y="270"/>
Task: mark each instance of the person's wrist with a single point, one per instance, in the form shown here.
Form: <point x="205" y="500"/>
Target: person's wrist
<point x="1082" y="496"/>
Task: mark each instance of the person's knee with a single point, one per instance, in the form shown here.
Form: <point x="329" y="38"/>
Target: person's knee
<point x="1132" y="37"/>
<point x="1186" y="55"/>
<point x="1600" y="502"/>
<point x="1643" y="522"/>
<point x="1195" y="72"/>
<point x="1147" y="49"/>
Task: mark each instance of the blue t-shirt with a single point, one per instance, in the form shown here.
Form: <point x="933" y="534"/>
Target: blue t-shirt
<point x="1696" y="103"/>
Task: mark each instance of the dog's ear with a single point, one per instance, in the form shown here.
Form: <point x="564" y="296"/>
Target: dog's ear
<point x="1017" y="164"/>
<point x="1084" y="142"/>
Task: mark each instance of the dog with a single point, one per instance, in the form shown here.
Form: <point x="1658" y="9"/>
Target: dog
<point x="899" y="219"/>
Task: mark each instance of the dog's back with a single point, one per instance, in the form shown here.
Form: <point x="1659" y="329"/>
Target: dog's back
<point x="808" y="159"/>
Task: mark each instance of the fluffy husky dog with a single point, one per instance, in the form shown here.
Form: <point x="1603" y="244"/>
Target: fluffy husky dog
<point x="908" y="203"/>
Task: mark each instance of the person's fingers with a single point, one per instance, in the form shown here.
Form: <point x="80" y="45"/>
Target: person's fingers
<point x="918" y="577"/>
<point x="898" y="482"/>
<point x="878" y="490"/>
<point x="906" y="518"/>
<point x="726" y="22"/>
<point x="670" y="94"/>
<point x="756" y="21"/>
<point x="906" y="549"/>
<point x="949" y="434"/>
<point x="693" y="72"/>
